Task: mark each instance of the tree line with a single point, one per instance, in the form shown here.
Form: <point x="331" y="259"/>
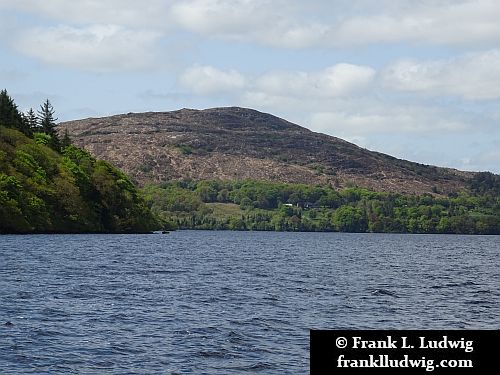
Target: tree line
<point x="295" y="207"/>
<point x="31" y="123"/>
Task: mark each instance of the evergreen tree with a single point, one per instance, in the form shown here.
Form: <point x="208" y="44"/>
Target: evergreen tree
<point x="47" y="123"/>
<point x="32" y="120"/>
<point x="66" y="141"/>
<point x="47" y="119"/>
<point x="10" y="116"/>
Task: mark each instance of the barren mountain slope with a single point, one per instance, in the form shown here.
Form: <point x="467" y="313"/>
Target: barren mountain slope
<point x="238" y="143"/>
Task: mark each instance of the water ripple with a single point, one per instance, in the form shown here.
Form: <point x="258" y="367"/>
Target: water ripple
<point x="227" y="302"/>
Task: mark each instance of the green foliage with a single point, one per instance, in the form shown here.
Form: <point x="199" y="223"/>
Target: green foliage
<point x="28" y="123"/>
<point x="349" y="219"/>
<point x="11" y="215"/>
<point x="43" y="191"/>
<point x="46" y="117"/>
<point x="185" y="149"/>
<point x="42" y="139"/>
<point x="257" y="205"/>
<point x="10" y="116"/>
<point x="120" y="206"/>
<point x="32" y="120"/>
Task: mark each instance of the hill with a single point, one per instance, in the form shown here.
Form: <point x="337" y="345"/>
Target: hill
<point x="238" y="144"/>
<point x="44" y="191"/>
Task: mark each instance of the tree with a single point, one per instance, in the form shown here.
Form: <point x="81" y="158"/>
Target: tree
<point x="66" y="141"/>
<point x="349" y="219"/>
<point x="246" y="204"/>
<point x="48" y="123"/>
<point x="10" y="116"/>
<point x="46" y="117"/>
<point x="223" y="196"/>
<point x="32" y="120"/>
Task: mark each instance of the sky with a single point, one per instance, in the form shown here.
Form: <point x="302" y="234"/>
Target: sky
<point x="416" y="79"/>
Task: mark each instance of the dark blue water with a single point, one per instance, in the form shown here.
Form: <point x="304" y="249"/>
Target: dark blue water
<point x="228" y="302"/>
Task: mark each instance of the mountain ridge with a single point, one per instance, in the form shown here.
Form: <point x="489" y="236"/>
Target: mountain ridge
<point x="234" y="143"/>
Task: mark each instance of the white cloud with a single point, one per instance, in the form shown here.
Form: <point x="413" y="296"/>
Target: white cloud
<point x="269" y="22"/>
<point x="293" y="24"/>
<point x="204" y="80"/>
<point x="483" y="156"/>
<point x="430" y="135"/>
<point x="344" y="100"/>
<point x="290" y="23"/>
<point x="387" y="119"/>
<point x="97" y="48"/>
<point x="296" y="35"/>
<point x="441" y="22"/>
<point x="272" y="103"/>
<point x="337" y="80"/>
<point x="220" y="17"/>
<point x="130" y="13"/>
<point x="473" y="76"/>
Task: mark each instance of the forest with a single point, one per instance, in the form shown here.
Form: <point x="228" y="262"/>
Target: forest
<point x="47" y="185"/>
<point x="257" y="205"/>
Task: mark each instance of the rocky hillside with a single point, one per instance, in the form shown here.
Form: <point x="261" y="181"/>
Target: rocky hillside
<point x="238" y="143"/>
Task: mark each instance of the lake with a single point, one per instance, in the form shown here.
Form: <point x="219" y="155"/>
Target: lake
<point x="208" y="302"/>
